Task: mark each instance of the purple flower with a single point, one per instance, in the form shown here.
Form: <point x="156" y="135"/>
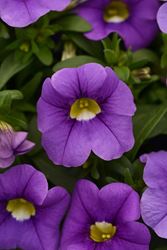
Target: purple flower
<point x="11" y="144"/>
<point x="82" y="110"/>
<point x="162" y="18"/>
<point x="104" y="219"/>
<point x="154" y="199"/>
<point x="30" y="215"/>
<point x="19" y="13"/>
<point x="133" y="20"/>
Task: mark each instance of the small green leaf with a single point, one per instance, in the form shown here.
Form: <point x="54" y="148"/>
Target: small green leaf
<point x="144" y="126"/>
<point x="6" y="97"/>
<point x="73" y="23"/>
<point x="91" y="47"/>
<point x="9" y="67"/>
<point x="123" y="72"/>
<point x="44" y="54"/>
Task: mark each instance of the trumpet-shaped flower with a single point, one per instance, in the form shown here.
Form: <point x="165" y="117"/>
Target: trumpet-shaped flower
<point x="30" y="215"/>
<point x="104" y="219"/>
<point x="133" y="20"/>
<point x="82" y="110"/>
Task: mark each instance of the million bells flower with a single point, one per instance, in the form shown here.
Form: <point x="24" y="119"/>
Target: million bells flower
<point x="104" y="219"/>
<point x="133" y="20"/>
<point x="12" y="143"/>
<point x="30" y="215"/>
<point x="154" y="199"/>
<point x="19" y="13"/>
<point x="82" y="110"/>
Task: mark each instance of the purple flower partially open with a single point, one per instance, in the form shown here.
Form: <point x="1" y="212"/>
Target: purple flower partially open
<point x="162" y="18"/>
<point x="154" y="199"/>
<point x="82" y="110"/>
<point x="104" y="219"/>
<point x="12" y="143"/>
<point x="19" y="13"/>
<point x="30" y="215"/>
<point x="133" y="20"/>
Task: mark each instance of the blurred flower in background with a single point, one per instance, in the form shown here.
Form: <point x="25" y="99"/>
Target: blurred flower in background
<point x="82" y="110"/>
<point x="162" y="17"/>
<point x="104" y="219"/>
<point x="30" y="214"/>
<point x="12" y="143"/>
<point x="18" y="13"/>
<point x="154" y="199"/>
<point x="134" y="21"/>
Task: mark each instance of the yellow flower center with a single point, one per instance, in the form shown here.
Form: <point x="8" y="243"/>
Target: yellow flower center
<point x="21" y="209"/>
<point x="102" y="231"/>
<point x="84" y="109"/>
<point x="116" y="12"/>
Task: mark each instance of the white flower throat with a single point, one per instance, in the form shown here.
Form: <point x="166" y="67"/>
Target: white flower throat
<point x="21" y="209"/>
<point x="84" y="109"/>
<point x="116" y="12"/>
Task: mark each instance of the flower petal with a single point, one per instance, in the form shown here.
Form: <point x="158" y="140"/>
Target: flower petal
<point x="155" y="171"/>
<point x="103" y="142"/>
<point x="154" y="210"/>
<point x="121" y="101"/>
<point x="49" y="217"/>
<point x="162" y="18"/>
<point x="133" y="235"/>
<point x="23" y="181"/>
<point x="119" y="203"/>
<point x="25" y="147"/>
<point x="20" y="14"/>
<point x="7" y="162"/>
<point x="67" y="143"/>
<point x="80" y="216"/>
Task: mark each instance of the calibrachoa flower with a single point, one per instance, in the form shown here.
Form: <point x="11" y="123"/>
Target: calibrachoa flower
<point x="133" y="20"/>
<point x="162" y="18"/>
<point x="83" y="109"/>
<point x="19" y="13"/>
<point x="30" y="215"/>
<point x="12" y="143"/>
<point x="154" y="199"/>
<point x="104" y="219"/>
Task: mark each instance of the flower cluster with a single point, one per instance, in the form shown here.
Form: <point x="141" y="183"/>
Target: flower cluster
<point x="31" y="215"/>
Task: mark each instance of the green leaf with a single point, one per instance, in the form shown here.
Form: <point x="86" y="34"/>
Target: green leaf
<point x="128" y="177"/>
<point x="143" y="57"/>
<point x="6" y="97"/>
<point x="91" y="47"/>
<point x="73" y="23"/>
<point x="9" y="67"/>
<point x="44" y="54"/>
<point x="75" y="62"/>
<point x="123" y="72"/>
<point x="144" y="124"/>
<point x="30" y="88"/>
